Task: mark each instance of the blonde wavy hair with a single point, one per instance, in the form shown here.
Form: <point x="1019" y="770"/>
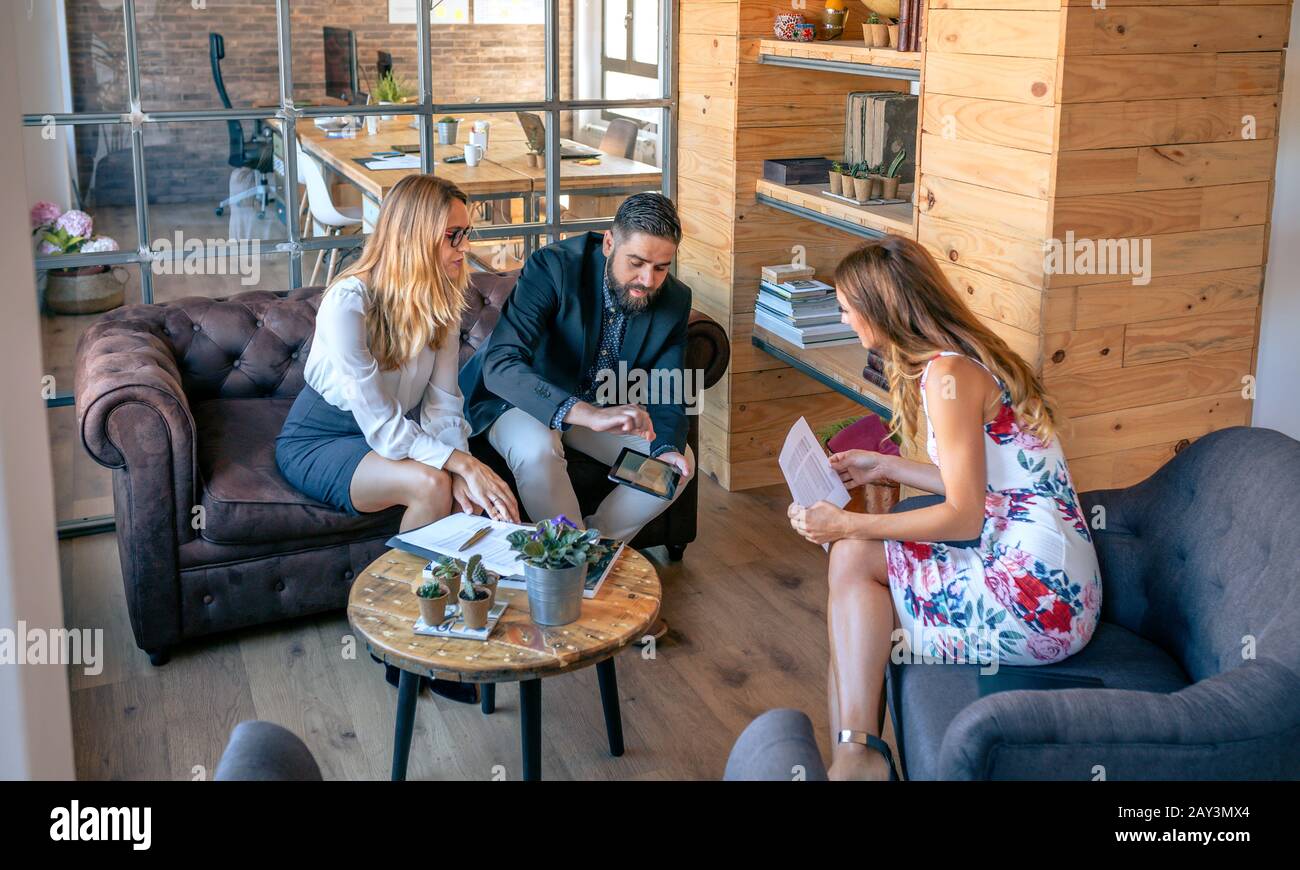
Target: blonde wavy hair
<point x="412" y="302"/>
<point x="914" y="312"/>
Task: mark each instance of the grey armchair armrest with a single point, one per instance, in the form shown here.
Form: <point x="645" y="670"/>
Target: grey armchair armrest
<point x="1241" y="724"/>
<point x="777" y="746"/>
<point x="263" y="751"/>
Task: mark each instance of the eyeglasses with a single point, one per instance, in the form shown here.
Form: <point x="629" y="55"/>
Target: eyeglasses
<point x="457" y="235"/>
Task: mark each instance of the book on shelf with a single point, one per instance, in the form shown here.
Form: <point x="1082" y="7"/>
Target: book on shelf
<point x="787" y="272"/>
<point x="802" y="288"/>
<point x="827" y="335"/>
<point x="798" y="318"/>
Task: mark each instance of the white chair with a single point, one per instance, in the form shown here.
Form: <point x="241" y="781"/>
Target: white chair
<point x="326" y="217"/>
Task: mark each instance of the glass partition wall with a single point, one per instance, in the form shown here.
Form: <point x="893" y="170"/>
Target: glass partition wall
<point x="174" y="119"/>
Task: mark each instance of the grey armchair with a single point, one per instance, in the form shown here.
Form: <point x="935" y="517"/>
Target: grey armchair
<point x="1198" y="648"/>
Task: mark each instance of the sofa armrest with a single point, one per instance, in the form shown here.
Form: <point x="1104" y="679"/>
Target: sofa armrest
<point x="134" y="418"/>
<point x="124" y="364"/>
<point x="1240" y="724"/>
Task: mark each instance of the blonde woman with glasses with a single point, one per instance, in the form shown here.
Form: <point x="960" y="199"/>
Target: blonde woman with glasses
<point x="380" y="421"/>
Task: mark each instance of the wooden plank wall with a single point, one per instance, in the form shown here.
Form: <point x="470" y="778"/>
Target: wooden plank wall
<point x="987" y="141"/>
<point x="1167" y="119"/>
<point x="736" y="112"/>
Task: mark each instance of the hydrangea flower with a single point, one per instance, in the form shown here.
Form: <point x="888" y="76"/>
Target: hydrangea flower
<point x="75" y="223"/>
<point x="98" y="245"/>
<point x="44" y="213"/>
<point x="48" y="248"/>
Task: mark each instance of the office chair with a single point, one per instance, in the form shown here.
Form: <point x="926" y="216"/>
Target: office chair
<point x="620" y="138"/>
<point x="255" y="154"/>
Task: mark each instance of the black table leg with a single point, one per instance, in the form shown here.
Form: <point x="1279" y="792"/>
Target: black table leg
<point x="408" y="687"/>
<point x="609" y="701"/>
<point x="488" y="696"/>
<point x="530" y="726"/>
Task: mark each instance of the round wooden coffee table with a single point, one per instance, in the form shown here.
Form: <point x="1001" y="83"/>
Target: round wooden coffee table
<point x="382" y="610"/>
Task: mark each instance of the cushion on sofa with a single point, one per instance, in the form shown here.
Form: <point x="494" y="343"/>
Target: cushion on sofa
<point x="929" y="697"/>
<point x="245" y="499"/>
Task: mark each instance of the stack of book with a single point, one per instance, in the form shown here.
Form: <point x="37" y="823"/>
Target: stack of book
<point x="795" y="306"/>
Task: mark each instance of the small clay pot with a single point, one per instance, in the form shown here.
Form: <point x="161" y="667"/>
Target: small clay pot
<point x="893" y="36"/>
<point x="877" y="185"/>
<point x="875" y="35"/>
<point x="475" y="613"/>
<point x="861" y="189"/>
<point x="785" y="26"/>
<point x="889" y="187"/>
<point x="835" y="181"/>
<point x="433" y="610"/>
<point x="490" y="584"/>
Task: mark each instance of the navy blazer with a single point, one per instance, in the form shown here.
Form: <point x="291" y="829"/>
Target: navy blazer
<point x="548" y="336"/>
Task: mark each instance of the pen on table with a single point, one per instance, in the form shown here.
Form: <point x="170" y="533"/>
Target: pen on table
<point x="475" y="538"/>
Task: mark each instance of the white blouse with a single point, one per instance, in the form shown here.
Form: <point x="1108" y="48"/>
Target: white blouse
<point x="341" y="368"/>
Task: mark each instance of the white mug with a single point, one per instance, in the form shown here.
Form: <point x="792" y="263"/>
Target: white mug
<point x="473" y="153"/>
<point x="480" y="138"/>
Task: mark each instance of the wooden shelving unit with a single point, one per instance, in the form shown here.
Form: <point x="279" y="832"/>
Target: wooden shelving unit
<point x="839" y="368"/>
<point x="869" y="221"/>
<point x="846" y="56"/>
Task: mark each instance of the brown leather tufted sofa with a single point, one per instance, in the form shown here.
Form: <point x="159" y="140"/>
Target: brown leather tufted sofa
<point x="184" y="400"/>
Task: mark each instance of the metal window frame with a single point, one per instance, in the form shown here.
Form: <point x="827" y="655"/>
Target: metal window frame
<point x="628" y="65"/>
<point x="294" y="246"/>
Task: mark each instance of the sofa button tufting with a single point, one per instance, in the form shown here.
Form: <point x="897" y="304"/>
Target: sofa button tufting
<point x="258" y="324"/>
<point x="347" y="575"/>
<point x="293" y="355"/>
<point x="207" y="599"/>
<point x="235" y="364"/>
<point x="196" y="327"/>
<point x="279" y="585"/>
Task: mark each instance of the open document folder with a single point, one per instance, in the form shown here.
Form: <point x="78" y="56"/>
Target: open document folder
<point x="808" y="472"/>
<point x="446" y="537"/>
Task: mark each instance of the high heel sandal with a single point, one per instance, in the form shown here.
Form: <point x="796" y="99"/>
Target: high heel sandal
<point x="870" y="741"/>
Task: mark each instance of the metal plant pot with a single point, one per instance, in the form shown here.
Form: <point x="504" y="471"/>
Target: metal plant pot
<point x="447" y="132"/>
<point x="555" y="594"/>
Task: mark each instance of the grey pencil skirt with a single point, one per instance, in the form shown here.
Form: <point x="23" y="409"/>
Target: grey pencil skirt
<point x="319" y="448"/>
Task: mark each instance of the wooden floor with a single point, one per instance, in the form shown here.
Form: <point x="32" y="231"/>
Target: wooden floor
<point x="747" y="607"/>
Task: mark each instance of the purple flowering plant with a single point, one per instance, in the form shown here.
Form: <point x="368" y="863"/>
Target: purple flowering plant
<point x="556" y="544"/>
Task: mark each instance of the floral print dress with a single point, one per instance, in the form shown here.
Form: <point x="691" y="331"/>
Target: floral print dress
<point x="1031" y="593"/>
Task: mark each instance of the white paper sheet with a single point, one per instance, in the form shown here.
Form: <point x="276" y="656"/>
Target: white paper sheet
<point x="406" y="161"/>
<point x="808" y="472"/>
<point x="448" y="534"/>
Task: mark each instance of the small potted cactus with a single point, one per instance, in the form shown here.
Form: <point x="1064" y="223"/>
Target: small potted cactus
<point x="448" y="574"/>
<point x="890" y="178"/>
<point x="475" y="599"/>
<point x="556" y="555"/>
<point x="432" y="597"/>
<point x="861" y="181"/>
<point x="875" y="33"/>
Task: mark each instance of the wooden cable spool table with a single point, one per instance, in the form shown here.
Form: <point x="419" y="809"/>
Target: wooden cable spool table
<point x="382" y="610"/>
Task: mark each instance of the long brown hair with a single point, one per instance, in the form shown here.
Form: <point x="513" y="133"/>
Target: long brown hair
<point x="895" y="285"/>
<point x="412" y="300"/>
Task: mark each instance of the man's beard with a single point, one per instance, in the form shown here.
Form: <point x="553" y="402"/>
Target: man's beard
<point x="626" y="300"/>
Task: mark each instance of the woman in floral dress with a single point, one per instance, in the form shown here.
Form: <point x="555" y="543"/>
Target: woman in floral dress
<point x="1030" y="592"/>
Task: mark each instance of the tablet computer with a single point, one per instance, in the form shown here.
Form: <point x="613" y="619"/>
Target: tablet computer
<point x="645" y="473"/>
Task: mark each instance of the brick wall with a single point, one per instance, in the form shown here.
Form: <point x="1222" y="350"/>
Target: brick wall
<point x="187" y="162"/>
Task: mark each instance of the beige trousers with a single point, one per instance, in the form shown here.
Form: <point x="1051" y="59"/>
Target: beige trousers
<point x="535" y="454"/>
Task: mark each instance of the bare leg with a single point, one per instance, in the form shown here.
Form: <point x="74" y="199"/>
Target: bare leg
<point x="860" y="617"/>
<point x="380" y="483"/>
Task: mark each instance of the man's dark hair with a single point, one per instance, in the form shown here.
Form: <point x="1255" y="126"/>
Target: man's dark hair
<point x="650" y="213"/>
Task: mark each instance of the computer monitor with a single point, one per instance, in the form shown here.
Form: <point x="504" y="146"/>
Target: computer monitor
<point x="341" y="64"/>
